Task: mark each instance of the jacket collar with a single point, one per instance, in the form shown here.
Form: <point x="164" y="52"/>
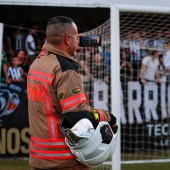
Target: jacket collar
<point x="51" y="48"/>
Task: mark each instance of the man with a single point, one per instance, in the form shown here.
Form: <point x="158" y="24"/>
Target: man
<point x="55" y="92"/>
<point x="30" y="45"/>
<point x="149" y="69"/>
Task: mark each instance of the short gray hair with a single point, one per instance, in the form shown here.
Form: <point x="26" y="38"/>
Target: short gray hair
<point x="57" y="28"/>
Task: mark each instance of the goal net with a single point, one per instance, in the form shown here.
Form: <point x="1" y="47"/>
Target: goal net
<point x="145" y="107"/>
<point x="145" y="83"/>
<point x="95" y="72"/>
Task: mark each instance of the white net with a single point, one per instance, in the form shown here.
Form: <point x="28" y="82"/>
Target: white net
<point x="145" y="63"/>
<point x="145" y="103"/>
<point x="95" y="72"/>
<point x="95" y="68"/>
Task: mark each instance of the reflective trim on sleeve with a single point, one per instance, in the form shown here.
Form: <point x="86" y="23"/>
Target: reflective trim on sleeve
<point x="52" y="154"/>
<point x="72" y="101"/>
<point x="102" y="115"/>
<point x="40" y="76"/>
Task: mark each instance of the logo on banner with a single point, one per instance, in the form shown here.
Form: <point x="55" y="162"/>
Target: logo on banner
<point x="8" y="102"/>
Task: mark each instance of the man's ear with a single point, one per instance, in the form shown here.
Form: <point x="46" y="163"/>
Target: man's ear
<point x="67" y="39"/>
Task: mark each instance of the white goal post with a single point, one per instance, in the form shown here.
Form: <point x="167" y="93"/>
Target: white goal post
<point x="115" y="65"/>
<point x="115" y="80"/>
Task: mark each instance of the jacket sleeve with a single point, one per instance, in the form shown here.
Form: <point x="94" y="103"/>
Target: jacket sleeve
<point x="73" y="100"/>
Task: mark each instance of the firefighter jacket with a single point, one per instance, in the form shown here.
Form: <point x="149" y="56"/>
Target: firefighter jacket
<point x="55" y="92"/>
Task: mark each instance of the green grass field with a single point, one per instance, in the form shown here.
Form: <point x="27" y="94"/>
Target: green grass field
<point x="23" y="165"/>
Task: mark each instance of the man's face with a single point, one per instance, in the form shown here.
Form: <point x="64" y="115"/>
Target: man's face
<point x="74" y="41"/>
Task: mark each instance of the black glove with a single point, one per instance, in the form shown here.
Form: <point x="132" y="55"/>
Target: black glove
<point x="113" y="123"/>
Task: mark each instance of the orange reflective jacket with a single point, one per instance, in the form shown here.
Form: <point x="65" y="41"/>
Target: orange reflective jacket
<point x="54" y="88"/>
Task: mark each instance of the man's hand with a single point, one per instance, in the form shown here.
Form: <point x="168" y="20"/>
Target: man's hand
<point x="79" y="49"/>
<point x="113" y="123"/>
<point x="143" y="81"/>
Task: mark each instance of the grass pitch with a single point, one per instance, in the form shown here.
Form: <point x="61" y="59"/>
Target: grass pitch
<point x="24" y="165"/>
